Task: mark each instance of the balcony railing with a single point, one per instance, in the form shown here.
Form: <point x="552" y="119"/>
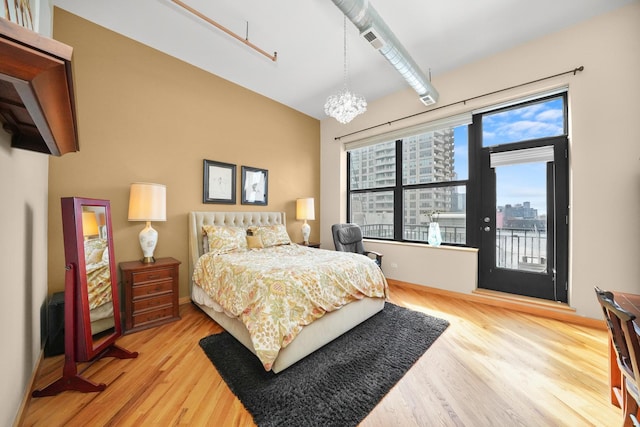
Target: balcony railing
<point x="521" y="249"/>
<point x="515" y="248"/>
<point x="449" y="233"/>
<point x="418" y="233"/>
<point x="380" y="231"/>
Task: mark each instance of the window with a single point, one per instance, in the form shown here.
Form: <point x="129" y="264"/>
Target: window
<point x="403" y="180"/>
<point x="542" y="119"/>
<point x="443" y="204"/>
<point x="420" y="175"/>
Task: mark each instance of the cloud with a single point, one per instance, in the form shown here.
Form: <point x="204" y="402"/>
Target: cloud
<point x="521" y="124"/>
<point x="522" y="130"/>
<point x="551" y="115"/>
<point x="488" y="135"/>
<point x="533" y="121"/>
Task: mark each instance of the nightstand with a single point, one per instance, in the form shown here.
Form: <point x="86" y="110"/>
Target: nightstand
<point x="150" y="293"/>
<point x="311" y="244"/>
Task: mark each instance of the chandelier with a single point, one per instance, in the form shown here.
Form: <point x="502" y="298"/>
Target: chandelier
<point x="344" y="106"/>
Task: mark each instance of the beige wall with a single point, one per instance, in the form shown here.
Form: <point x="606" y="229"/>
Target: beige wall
<point x="604" y="153"/>
<point x="145" y="116"/>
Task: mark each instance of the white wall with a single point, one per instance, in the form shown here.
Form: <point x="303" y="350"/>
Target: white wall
<point x="23" y="262"/>
<point x="604" y="153"/>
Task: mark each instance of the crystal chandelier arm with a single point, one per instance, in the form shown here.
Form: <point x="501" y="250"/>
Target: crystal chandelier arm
<point x="345" y="50"/>
<point x="345" y="105"/>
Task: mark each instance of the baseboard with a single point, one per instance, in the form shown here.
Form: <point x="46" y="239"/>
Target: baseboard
<point x="27" y="394"/>
<point x="535" y="306"/>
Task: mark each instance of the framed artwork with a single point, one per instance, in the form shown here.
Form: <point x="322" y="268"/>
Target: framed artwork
<point x="219" y="183"/>
<point x="255" y="186"/>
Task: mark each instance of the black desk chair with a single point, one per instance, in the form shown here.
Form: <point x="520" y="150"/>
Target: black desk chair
<point x="627" y="344"/>
<point x="348" y="238"/>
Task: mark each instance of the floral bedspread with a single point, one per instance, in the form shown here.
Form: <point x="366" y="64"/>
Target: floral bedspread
<point x="99" y="284"/>
<point x="276" y="291"/>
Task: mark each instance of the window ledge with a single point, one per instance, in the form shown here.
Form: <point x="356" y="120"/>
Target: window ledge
<point x="421" y="245"/>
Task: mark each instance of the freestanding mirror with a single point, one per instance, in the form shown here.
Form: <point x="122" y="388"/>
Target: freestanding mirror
<point x="92" y="310"/>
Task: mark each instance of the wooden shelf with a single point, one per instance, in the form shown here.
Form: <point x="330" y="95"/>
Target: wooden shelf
<point x="37" y="105"/>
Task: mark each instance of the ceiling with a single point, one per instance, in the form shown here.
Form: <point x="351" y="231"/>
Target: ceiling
<point x="308" y="38"/>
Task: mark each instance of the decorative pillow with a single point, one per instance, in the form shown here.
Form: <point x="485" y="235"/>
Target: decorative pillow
<point x="254" y="242"/>
<point x="272" y="235"/>
<point x="105" y="255"/>
<point x="205" y="243"/>
<point x="225" y="239"/>
<point x="93" y="250"/>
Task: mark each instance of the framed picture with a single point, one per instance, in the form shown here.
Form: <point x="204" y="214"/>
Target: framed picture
<point x="219" y="183"/>
<point x="255" y="186"/>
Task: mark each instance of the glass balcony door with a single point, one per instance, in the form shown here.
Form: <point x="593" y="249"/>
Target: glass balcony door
<point x="523" y="224"/>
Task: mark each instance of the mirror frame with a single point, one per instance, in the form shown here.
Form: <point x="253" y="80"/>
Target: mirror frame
<point x="85" y="346"/>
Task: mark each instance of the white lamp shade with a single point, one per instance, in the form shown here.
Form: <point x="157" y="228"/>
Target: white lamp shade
<point x="305" y="209"/>
<point x="147" y="202"/>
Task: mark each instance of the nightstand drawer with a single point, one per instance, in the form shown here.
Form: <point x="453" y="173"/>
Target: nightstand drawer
<point x="148" y="276"/>
<point x="152" y="316"/>
<point x="150" y="293"/>
<point x="141" y="291"/>
<point x="152" y="302"/>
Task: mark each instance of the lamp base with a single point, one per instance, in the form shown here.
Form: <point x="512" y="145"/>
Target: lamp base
<point x="306" y="231"/>
<point x="148" y="240"/>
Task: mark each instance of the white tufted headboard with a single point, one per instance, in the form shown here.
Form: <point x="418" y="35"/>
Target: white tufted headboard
<point x="235" y="219"/>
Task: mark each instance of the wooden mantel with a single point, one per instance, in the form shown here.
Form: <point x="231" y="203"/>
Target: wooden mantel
<point x="37" y="105"/>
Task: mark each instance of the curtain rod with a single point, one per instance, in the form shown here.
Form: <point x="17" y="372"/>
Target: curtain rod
<point x="464" y="101"/>
<point x="246" y="41"/>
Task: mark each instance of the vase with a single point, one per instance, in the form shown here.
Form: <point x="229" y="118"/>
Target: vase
<point x="434" y="238"/>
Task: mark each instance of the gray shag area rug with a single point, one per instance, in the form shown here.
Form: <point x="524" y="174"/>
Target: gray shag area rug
<point x="338" y="384"/>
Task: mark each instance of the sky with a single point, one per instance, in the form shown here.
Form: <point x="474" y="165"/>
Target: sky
<point x="518" y="124"/>
<point x="524" y="182"/>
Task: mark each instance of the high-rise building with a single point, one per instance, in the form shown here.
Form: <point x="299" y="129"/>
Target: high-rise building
<point x="427" y="157"/>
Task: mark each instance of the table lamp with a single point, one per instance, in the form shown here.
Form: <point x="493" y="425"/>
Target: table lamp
<point x="147" y="202"/>
<point x="305" y="211"/>
<point x="89" y="225"/>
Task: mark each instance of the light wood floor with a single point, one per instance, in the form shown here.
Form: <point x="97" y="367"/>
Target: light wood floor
<point x="491" y="367"/>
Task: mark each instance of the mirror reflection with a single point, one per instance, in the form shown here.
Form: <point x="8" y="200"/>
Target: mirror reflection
<point x="98" y="272"/>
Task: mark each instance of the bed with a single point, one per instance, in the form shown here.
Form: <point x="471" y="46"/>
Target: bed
<point x="99" y="285"/>
<point x="312" y="336"/>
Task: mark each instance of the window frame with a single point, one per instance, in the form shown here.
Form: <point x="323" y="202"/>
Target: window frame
<point x="473" y="197"/>
<point x="398" y="194"/>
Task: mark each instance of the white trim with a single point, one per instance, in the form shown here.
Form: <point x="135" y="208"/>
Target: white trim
<point x="533" y="97"/>
<point x="527" y="155"/>
<point x="447" y="122"/>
